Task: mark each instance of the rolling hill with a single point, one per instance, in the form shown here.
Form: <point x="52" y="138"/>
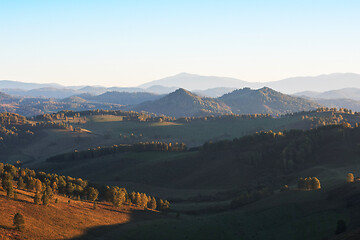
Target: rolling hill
<point x="184" y="103"/>
<point x="321" y="83"/>
<point x="214" y="92"/>
<point x="5" y="98"/>
<point x="123" y="98"/>
<point x="344" y="93"/>
<point x="60" y="220"/>
<point x="25" y="85"/>
<point x="265" y="100"/>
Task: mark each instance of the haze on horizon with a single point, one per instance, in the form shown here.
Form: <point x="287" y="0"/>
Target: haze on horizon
<point x="124" y="43"/>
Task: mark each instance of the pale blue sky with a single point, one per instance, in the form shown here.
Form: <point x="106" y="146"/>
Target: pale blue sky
<point x="126" y="43"/>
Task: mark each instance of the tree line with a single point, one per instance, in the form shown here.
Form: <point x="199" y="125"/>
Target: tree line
<point x="46" y="185"/>
<point x="310" y="183"/>
<point x="127" y="115"/>
<point x="289" y="150"/>
<point x="103" y="151"/>
<point x="16" y="129"/>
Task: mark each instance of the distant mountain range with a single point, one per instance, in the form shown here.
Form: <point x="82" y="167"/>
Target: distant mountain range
<point x="180" y="103"/>
<point x="123" y="98"/>
<point x="193" y="81"/>
<point x="243" y="101"/>
<point x="209" y="95"/>
<point x="344" y="93"/>
<point x="320" y="83"/>
<point x="210" y="86"/>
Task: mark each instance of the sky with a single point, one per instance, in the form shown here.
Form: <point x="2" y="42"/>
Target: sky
<point x="127" y="43"/>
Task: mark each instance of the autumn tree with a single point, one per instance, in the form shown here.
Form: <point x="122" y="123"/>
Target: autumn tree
<point x="137" y="199"/>
<point x="45" y="199"/>
<point x="92" y="194"/>
<point x="284" y="188"/>
<point x="7" y="184"/>
<point x="315" y="183"/>
<point x="37" y="198"/>
<point x="21" y="183"/>
<point x="38" y="185"/>
<point x="30" y="184"/>
<point x="143" y="200"/>
<point x="117" y="196"/>
<point x="152" y="203"/>
<point x="350" y="178"/>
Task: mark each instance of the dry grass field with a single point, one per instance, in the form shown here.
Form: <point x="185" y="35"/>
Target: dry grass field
<point x="62" y="220"/>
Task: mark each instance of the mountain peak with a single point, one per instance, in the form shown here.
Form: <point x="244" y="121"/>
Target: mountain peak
<point x="196" y="82"/>
<point x="182" y="91"/>
<point x="265" y="100"/>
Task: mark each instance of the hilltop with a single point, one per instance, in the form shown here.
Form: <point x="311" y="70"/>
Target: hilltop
<point x="182" y="103"/>
<point x="265" y="100"/>
<point x="193" y="81"/>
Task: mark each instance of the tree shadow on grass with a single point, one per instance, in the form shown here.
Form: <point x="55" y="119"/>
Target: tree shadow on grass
<point x="7" y="227"/>
<point x="113" y="231"/>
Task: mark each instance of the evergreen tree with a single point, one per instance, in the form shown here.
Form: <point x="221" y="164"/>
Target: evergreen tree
<point x="45" y="199"/>
<point x="152" y="203"/>
<point x="132" y="197"/>
<point x="7" y="184"/>
<point x="21" y="184"/>
<point x="143" y="200"/>
<point x="38" y="186"/>
<point x="54" y="187"/>
<point x="137" y="200"/>
<point x="37" y="198"/>
<point x="19" y="221"/>
<point x="92" y="194"/>
<point x="30" y="184"/>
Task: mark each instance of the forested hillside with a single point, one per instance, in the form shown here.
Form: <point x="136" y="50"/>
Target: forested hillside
<point x="183" y="103"/>
<point x="265" y="100"/>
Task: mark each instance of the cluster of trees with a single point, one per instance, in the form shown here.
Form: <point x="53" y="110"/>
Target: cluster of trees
<point x="12" y="119"/>
<point x="103" y="151"/>
<point x="288" y="150"/>
<point x="249" y="197"/>
<point x="310" y="183"/>
<point x="47" y="185"/>
<point x="118" y="196"/>
<point x="317" y="121"/>
<point x="16" y="129"/>
<point x="127" y="115"/>
<point x="231" y="116"/>
<point x="335" y="110"/>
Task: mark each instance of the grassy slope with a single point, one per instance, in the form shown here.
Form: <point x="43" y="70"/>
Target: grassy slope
<point x="61" y="220"/>
<point x="290" y="215"/>
<point x="194" y="133"/>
